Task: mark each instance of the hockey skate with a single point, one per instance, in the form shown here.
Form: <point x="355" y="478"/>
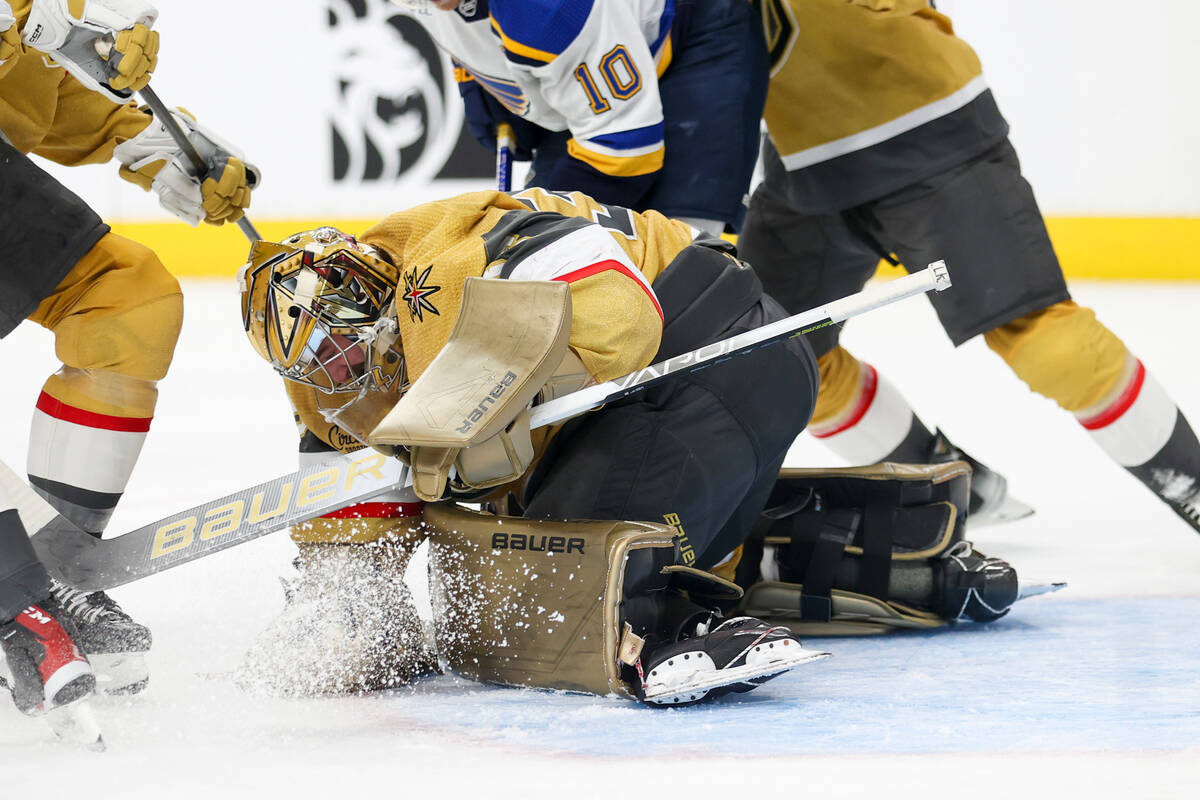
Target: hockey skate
<point x="991" y="503"/>
<point x="737" y="655"/>
<point x="112" y="641"/>
<point x="348" y="626"/>
<point x="47" y="674"/>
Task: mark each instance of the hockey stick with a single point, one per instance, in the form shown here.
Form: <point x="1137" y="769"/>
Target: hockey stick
<point x="163" y="114"/>
<point x="88" y="563"/>
<point x="85" y="562"/>
<point x="935" y="277"/>
<point x="506" y="143"/>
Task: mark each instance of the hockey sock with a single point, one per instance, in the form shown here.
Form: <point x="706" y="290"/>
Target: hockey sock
<point x="862" y="418"/>
<point x="87" y="432"/>
<point x="1140" y="427"/>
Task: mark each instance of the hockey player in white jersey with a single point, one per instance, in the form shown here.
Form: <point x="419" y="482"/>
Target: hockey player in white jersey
<point x="647" y="104"/>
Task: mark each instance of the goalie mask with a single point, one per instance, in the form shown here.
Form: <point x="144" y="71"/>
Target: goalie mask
<point x="317" y="307"/>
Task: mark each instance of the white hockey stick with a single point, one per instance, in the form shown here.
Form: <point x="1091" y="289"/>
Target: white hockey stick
<point x="935" y="277"/>
<point x="88" y="563"/>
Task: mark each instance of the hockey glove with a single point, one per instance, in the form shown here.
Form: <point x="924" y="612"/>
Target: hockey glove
<point x="155" y="162"/>
<point x="484" y="113"/>
<point x="48" y="669"/>
<point x="107" y="45"/>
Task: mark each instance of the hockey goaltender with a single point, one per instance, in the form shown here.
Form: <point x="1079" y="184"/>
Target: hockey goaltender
<point x="626" y="551"/>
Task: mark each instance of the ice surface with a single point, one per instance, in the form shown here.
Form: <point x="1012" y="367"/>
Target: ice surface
<point x="1090" y="690"/>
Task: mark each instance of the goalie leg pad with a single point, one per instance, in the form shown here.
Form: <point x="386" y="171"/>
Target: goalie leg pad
<point x="546" y="603"/>
<point x="867" y="549"/>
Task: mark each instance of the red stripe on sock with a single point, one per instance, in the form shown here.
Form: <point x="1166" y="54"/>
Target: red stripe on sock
<point x="1119" y="406"/>
<point x="602" y="266"/>
<point x="865" y="398"/>
<point x="376" y="511"/>
<point x="60" y="410"/>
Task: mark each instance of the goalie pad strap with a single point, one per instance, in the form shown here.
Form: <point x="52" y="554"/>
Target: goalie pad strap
<point x="878" y="524"/>
<point x="818" y="556"/>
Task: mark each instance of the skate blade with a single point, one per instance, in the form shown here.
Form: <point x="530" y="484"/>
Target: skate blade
<point x="75" y="724"/>
<point x="1010" y="509"/>
<point x="701" y="682"/>
<point x="120" y="673"/>
<point x="1034" y="588"/>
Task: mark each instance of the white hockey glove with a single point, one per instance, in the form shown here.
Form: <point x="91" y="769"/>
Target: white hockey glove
<point x="75" y="32"/>
<point x="155" y="162"/>
<point x="10" y="37"/>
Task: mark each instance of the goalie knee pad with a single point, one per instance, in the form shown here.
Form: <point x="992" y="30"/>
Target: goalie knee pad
<point x="547" y="603"/>
<point x="869" y="549"/>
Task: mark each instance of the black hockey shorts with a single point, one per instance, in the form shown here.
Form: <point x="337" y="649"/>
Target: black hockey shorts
<point x="44" y="230"/>
<point x="700" y="452"/>
<point x="979" y="217"/>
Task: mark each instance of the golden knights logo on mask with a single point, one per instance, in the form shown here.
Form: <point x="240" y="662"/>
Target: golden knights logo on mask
<point x="397" y="114"/>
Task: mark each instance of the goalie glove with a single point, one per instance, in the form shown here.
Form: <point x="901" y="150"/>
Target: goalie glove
<point x="156" y="163"/>
<point x="106" y="45"/>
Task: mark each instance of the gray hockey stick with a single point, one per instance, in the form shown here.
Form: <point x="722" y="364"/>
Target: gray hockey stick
<point x="88" y="563"/>
<point x="935" y="277"/>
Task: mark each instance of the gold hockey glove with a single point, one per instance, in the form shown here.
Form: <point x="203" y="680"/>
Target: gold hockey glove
<point x="153" y="161"/>
<point x="133" y="57"/>
<point x="107" y="45"/>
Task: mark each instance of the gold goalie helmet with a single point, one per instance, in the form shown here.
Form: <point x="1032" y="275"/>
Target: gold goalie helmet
<point x="317" y="306"/>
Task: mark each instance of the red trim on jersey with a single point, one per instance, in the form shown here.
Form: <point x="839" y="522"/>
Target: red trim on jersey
<point x="1119" y="406"/>
<point x="60" y="410"/>
<point x="865" y="398"/>
<point x="376" y="511"/>
<point x="601" y="266"/>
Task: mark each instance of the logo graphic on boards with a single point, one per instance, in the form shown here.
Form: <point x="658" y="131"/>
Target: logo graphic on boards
<point x="397" y="114"/>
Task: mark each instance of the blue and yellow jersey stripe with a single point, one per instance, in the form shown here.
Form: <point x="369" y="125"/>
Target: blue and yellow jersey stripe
<point x="661" y="47"/>
<point x="507" y="92"/>
<point x="624" y="153"/>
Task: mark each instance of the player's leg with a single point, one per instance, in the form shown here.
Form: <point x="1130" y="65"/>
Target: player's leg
<point x="713" y="94"/>
<point x="700" y="453"/>
<point x="808" y="259"/>
<point x="42" y="665"/>
<point x="62" y="269"/>
<point x="1063" y="352"/>
<point x="115" y="317"/>
<point x="982" y="218"/>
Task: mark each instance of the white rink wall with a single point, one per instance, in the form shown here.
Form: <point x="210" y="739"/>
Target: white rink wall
<point x="1100" y="96"/>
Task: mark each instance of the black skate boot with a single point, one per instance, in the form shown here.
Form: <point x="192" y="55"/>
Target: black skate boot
<point x="716" y="657"/>
<point x="113" y="642"/>
<point x="990" y="502"/>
